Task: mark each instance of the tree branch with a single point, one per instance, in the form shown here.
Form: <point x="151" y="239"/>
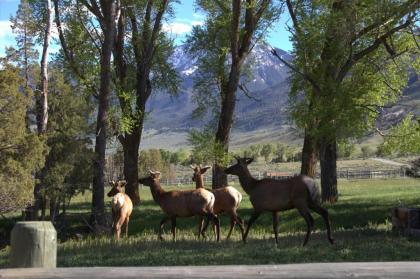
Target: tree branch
<point x="293" y="16"/>
<point x="353" y="59"/>
<point x="245" y="90"/>
<point x="305" y="76"/>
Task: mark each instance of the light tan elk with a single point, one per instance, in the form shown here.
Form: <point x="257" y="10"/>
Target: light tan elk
<point x="227" y="200"/>
<point x="273" y="196"/>
<point x="121" y="208"/>
<point x="178" y="203"/>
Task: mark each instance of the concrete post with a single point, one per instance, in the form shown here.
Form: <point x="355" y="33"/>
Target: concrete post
<point x="34" y="244"/>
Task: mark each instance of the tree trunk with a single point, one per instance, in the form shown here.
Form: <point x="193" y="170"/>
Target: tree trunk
<point x="328" y="160"/>
<point x="98" y="210"/>
<point x="219" y="178"/>
<point x="42" y="109"/>
<point x="131" y="143"/>
<point x="309" y="156"/>
<point x="42" y="106"/>
<point x="225" y="124"/>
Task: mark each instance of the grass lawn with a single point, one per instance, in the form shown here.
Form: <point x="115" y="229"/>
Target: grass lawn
<point x="360" y="221"/>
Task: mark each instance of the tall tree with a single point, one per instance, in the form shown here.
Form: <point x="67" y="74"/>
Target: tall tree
<point x="68" y="168"/>
<point x="24" y="26"/>
<point x="147" y="56"/>
<point x="338" y="44"/>
<point x="105" y="14"/>
<point x="241" y="24"/>
<point x="21" y="151"/>
<point x="42" y="96"/>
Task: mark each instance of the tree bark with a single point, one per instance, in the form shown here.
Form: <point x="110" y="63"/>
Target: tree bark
<point x="42" y="108"/>
<point x="240" y="42"/>
<point x="41" y="98"/>
<point x="328" y="161"/>
<point x="228" y="97"/>
<point x="131" y="143"/>
<point x="144" y="52"/>
<point x="309" y="156"/>
<point x="98" y="210"/>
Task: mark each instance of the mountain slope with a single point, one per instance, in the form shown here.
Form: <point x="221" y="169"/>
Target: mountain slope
<point x="262" y="118"/>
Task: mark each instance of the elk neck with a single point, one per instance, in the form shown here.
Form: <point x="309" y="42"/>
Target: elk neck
<point x="247" y="181"/>
<point x="199" y="182"/>
<point x="157" y="191"/>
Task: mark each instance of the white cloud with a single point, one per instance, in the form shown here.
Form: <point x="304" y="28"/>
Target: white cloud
<point x="196" y="22"/>
<point x="177" y="28"/>
<point x="181" y="27"/>
<point x="5" y="29"/>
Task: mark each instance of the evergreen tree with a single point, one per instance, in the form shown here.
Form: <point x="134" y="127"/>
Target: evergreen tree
<point x="22" y="152"/>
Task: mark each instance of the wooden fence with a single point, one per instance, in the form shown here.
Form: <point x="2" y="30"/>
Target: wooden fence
<point x="341" y="174"/>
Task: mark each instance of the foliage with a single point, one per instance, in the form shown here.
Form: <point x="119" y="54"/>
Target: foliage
<point x="335" y="96"/>
<point x="205" y="148"/>
<point x="21" y="151"/>
<point x="68" y="169"/>
<point x="367" y="151"/>
<point x="266" y="151"/>
<point x="345" y="149"/>
<point x="25" y="28"/>
<point x="404" y="138"/>
<point x="155" y="159"/>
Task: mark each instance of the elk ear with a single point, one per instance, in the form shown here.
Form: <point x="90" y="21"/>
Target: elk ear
<point x="112" y="183"/>
<point x="157" y="174"/>
<point x="192" y="167"/>
<point x="249" y="160"/>
<point x="204" y="169"/>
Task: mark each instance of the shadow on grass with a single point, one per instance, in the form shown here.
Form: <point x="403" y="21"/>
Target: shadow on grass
<point x="363" y="244"/>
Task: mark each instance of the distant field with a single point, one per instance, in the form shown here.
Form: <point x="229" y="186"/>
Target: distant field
<point x="260" y="167"/>
<point x="360" y="220"/>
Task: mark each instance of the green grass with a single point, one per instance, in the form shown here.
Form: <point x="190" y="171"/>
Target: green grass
<point x="360" y="223"/>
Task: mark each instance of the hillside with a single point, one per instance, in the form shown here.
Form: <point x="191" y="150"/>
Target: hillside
<point x="262" y="118"/>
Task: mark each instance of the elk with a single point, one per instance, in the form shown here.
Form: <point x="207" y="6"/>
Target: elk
<point x="272" y="195"/>
<point x="179" y="203"/>
<point x="227" y="200"/>
<point x="121" y="208"/>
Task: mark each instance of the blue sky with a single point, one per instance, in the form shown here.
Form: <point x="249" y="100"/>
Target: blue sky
<point x="179" y="27"/>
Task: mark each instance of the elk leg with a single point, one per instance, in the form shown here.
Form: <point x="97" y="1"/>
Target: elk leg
<point x="205" y="226"/>
<point x="216" y="222"/>
<point x="240" y="223"/>
<point x="232" y="224"/>
<point x="200" y="226"/>
<point x="162" y="223"/>
<point x="254" y="217"/>
<point x="309" y="223"/>
<point x="119" y="224"/>
<point x="276" y="226"/>
<point x="173" y="219"/>
<point x="126" y="226"/>
<point x="324" y="214"/>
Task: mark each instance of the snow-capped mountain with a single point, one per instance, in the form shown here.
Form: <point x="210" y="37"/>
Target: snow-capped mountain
<point x="261" y="118"/>
<point x="268" y="88"/>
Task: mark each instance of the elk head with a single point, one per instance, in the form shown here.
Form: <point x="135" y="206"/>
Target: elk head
<point x="117" y="187"/>
<point x="198" y="171"/>
<point x="240" y="166"/>
<point x="150" y="180"/>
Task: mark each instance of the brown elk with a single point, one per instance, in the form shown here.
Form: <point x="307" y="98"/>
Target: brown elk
<point x="272" y="195"/>
<point x="178" y="203"/>
<point x="121" y="208"/>
<point x="227" y="200"/>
